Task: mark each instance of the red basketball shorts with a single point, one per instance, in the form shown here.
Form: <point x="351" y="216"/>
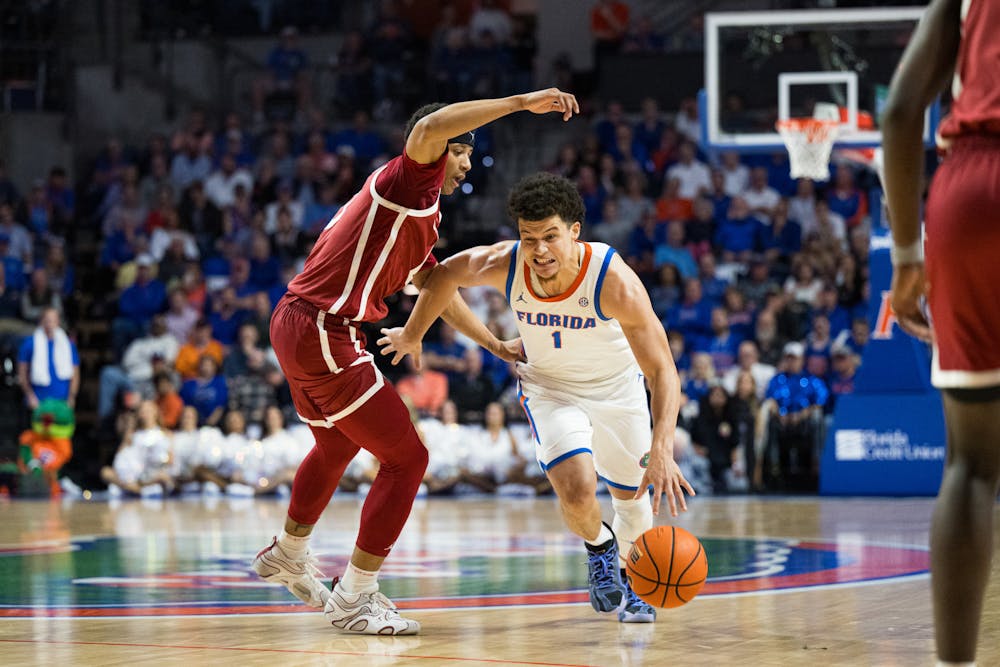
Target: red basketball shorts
<point x="329" y="372"/>
<point x="963" y="264"/>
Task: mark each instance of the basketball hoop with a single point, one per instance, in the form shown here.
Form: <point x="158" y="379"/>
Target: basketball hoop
<point x="809" y="142"/>
<point x="864" y="157"/>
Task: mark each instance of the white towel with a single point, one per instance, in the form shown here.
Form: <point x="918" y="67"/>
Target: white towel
<point x="61" y="350"/>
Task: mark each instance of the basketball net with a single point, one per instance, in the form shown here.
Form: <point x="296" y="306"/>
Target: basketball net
<point x="809" y="142"/>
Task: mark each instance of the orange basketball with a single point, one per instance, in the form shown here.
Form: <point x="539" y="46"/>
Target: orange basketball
<point x="667" y="566"/>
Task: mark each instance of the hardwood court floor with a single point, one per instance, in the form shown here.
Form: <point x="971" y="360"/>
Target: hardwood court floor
<point x="494" y="582"/>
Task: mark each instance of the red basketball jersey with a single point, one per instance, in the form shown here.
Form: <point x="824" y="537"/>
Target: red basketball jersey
<point x="976" y="86"/>
<point x="376" y="241"/>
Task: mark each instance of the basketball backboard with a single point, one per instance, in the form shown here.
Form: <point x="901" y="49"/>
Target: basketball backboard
<point x="764" y="66"/>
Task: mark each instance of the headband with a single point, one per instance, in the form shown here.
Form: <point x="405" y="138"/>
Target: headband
<point x="468" y="138"/>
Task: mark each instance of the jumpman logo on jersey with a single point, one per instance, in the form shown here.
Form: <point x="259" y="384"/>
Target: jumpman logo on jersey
<point x="520" y="298"/>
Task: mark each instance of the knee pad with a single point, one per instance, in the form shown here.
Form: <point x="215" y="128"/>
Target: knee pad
<point x="632" y="519"/>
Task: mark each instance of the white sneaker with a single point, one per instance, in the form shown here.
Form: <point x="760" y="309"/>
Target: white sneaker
<point x="283" y="491"/>
<point x="151" y="491"/>
<point x="238" y="490"/>
<point x="187" y="488"/>
<point x="366" y="613"/>
<point x="299" y="576"/>
<point x="211" y="489"/>
<point x="114" y="491"/>
<point x="70" y="488"/>
<point x="515" y="491"/>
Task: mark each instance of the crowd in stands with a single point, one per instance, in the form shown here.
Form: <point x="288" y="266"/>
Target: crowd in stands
<point x="39" y="360"/>
<point x="236" y="17"/>
<point x="404" y="54"/>
<point x="442" y="52"/>
<point x="31" y="74"/>
<point x="760" y="281"/>
<point x="616" y="28"/>
<point x="200" y="230"/>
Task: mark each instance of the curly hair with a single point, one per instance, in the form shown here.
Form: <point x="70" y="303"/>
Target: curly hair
<point x="425" y="110"/>
<point x="542" y="195"/>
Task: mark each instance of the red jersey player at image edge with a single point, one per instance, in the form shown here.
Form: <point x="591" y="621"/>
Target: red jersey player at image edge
<point x="955" y="43"/>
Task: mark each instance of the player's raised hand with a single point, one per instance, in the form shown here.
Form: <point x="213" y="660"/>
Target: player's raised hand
<point x="909" y="284"/>
<point x="664" y="475"/>
<point x="395" y="342"/>
<point x="551" y="99"/>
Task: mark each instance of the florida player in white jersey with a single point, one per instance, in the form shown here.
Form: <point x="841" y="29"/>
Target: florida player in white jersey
<point x="591" y="339"/>
<point x="375" y="244"/>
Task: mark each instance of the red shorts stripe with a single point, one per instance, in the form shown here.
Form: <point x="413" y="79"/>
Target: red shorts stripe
<point x="330" y="373"/>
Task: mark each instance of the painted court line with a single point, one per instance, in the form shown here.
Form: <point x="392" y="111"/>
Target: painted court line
<point x="491" y="661"/>
<point x="468" y="603"/>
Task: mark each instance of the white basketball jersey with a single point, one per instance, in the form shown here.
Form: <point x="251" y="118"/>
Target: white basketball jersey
<point x="569" y="342"/>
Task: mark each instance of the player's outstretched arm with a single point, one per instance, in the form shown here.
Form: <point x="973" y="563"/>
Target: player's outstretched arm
<point x="624" y="298"/>
<point x="461" y="318"/>
<point x="482" y="265"/>
<point x="429" y="137"/>
<point x="923" y="73"/>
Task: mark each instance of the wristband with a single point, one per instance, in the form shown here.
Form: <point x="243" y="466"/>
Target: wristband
<point x="911" y="254"/>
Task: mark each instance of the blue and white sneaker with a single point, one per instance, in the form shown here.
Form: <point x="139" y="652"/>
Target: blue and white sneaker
<point x="607" y="591"/>
<point x="635" y="610"/>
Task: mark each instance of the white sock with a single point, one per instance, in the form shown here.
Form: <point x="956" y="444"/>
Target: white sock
<point x="602" y="536"/>
<point x="293" y="545"/>
<point x="632" y="518"/>
<point x="942" y="663"/>
<point x="356" y="580"/>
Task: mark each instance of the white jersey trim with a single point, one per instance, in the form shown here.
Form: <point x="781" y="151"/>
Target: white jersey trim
<point x="336" y="217"/>
<point x="354" y="339"/>
<point x="402" y="213"/>
<point x="379" y="263"/>
<point x="359" y="252"/>
<point x="330" y="422"/>
<point x="382" y="201"/>
<point x="324" y="344"/>
<point x="956" y="78"/>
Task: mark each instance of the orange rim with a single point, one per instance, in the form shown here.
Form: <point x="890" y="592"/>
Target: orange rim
<point x="814" y="129"/>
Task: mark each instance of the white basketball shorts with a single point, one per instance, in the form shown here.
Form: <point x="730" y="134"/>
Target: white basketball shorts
<point x="613" y="426"/>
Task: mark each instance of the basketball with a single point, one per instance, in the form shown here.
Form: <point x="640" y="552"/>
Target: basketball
<point x="667" y="566"/>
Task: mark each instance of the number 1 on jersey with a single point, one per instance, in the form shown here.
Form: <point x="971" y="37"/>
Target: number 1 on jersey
<point x="557" y="339"/>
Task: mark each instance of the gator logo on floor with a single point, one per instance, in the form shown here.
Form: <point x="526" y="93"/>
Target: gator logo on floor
<point x="185" y="574"/>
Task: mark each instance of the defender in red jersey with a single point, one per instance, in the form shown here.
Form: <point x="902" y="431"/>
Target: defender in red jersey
<point x="376" y="243"/>
<point x="956" y="39"/>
